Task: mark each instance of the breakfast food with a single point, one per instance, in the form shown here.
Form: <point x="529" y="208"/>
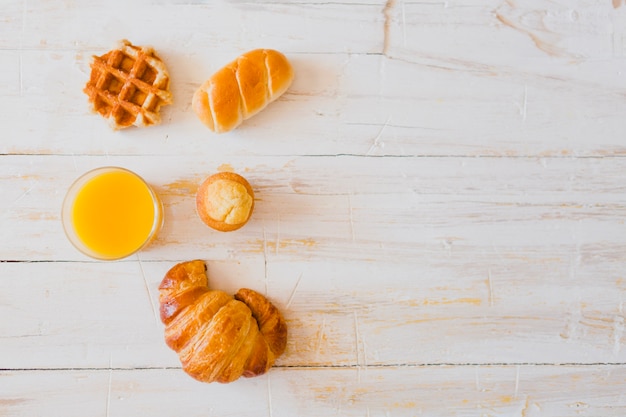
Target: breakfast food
<point x="224" y="201"/>
<point x="128" y="85"/>
<point x="218" y="337"/>
<point x="242" y="88"/>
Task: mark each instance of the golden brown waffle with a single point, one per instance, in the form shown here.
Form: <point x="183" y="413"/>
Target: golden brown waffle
<point x="128" y="86"/>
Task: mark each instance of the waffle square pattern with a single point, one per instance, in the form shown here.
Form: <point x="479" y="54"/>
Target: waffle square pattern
<point x="128" y="85"/>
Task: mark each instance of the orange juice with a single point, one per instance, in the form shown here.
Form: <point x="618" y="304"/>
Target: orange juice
<point x="111" y="213"/>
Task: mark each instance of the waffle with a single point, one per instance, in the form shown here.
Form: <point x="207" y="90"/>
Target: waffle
<point x="128" y="85"/>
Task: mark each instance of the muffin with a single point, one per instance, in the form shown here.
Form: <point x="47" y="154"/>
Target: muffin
<point x="224" y="201"/>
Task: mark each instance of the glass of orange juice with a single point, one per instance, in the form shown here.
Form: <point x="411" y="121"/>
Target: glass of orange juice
<point x="110" y="213"/>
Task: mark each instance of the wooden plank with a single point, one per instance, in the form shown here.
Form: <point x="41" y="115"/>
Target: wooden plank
<point x="491" y="86"/>
<point x="329" y="110"/>
<point x="385" y="209"/>
<point x="12" y="24"/>
<point x="53" y="393"/>
<point x="404" y="391"/>
<point x="219" y="25"/>
<point x="578" y="40"/>
<point x="350" y="313"/>
<point x="10" y="73"/>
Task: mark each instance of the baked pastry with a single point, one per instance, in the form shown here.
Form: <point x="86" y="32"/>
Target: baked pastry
<point x="218" y="337"/>
<point x="242" y="88"/>
<point x="224" y="201"/>
<point x="128" y="85"/>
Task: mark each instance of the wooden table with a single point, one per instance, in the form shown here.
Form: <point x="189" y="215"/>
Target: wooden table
<point x="440" y="205"/>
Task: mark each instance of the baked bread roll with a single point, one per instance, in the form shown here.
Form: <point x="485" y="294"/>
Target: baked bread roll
<point x="218" y="337"/>
<point x="242" y="88"/>
<point x="224" y="201"/>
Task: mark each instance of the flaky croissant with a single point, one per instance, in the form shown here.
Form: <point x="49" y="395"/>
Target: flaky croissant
<point x="242" y="88"/>
<point x="218" y="337"/>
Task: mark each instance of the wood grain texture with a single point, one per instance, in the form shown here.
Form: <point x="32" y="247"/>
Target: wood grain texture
<point x="339" y="313"/>
<point x="479" y="86"/>
<point x="307" y="207"/>
<point x="439" y="210"/>
<point x="405" y="391"/>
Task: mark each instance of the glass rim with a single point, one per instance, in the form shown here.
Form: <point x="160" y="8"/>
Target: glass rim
<point x="68" y="204"/>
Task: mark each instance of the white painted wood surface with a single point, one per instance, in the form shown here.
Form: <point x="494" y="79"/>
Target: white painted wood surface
<point x="440" y="208"/>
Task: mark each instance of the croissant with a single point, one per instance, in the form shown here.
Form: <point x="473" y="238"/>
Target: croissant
<point x="242" y="88"/>
<point x="218" y="337"/>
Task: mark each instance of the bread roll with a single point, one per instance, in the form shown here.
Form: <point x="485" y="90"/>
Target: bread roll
<point x="224" y="201"/>
<point x="242" y="88"/>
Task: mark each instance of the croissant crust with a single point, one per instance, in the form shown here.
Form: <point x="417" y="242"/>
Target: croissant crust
<point x="218" y="337"/>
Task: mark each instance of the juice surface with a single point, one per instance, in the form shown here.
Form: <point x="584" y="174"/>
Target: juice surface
<point x="113" y="214"/>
